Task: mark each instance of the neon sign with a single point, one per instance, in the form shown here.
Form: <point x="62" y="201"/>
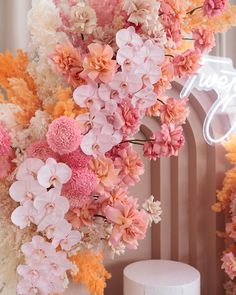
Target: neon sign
<point x="216" y="74"/>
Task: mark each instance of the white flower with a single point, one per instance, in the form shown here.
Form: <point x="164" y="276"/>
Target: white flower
<point x="39" y="125"/>
<point x="153" y="209"/>
<point x="83" y="18"/>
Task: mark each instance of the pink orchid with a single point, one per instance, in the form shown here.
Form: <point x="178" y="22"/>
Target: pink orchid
<point x="37" y="249"/>
<point x="128" y="37"/>
<point x="92" y="121"/>
<point x="26" y="214"/>
<point x="149" y="72"/>
<point x="66" y="237"/>
<point x="26" y="287"/>
<point x="126" y="83"/>
<point x="53" y="174"/>
<point x="58" y="264"/>
<point x="51" y="223"/>
<point x="106" y="93"/>
<point x="51" y="201"/>
<point x="131" y="57"/>
<point x="24" y="190"/>
<point x="154" y="53"/>
<point x="99" y="143"/>
<point x="29" y="167"/>
<point x="86" y="96"/>
<point x="30" y="273"/>
<point x="145" y="98"/>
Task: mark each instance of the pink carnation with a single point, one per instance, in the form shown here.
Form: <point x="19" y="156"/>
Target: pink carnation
<point x="204" y="39"/>
<point x="41" y="150"/>
<point x="64" y="135"/>
<point x="229" y="264"/>
<point x="80" y="186"/>
<point x="131" y="116"/>
<point x="187" y="63"/>
<point x="213" y="8"/>
<point x="174" y="111"/>
<point x="5" y="141"/>
<point x="76" y="159"/>
<point x="165" y="143"/>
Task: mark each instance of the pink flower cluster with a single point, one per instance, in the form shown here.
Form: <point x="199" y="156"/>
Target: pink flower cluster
<point x="38" y="190"/>
<point x="45" y="270"/>
<point x="117" y="107"/>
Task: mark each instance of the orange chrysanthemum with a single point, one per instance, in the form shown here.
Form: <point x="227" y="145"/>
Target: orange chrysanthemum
<point x="64" y="105"/>
<point x="92" y="272"/>
<point x="19" y="85"/>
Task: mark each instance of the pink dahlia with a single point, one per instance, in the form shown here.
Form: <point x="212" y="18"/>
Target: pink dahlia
<point x="79" y="188"/>
<point x="76" y="159"/>
<point x="213" y="8"/>
<point x="5" y="141"/>
<point x="187" y="63"/>
<point x="64" y="135"/>
<point x="204" y="39"/>
<point x="41" y="150"/>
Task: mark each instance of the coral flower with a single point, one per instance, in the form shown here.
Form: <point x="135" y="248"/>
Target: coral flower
<point x="187" y="63"/>
<point x="64" y="135"/>
<point x="174" y="111"/>
<point x="67" y="61"/>
<point x="98" y="65"/>
<point x="105" y="171"/>
<point x="5" y="141"/>
<point x="213" y="8"/>
<point x="229" y="264"/>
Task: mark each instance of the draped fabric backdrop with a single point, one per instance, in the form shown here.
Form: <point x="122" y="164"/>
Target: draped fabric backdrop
<point x="185" y="185"/>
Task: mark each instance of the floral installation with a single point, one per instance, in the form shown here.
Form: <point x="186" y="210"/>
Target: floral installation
<point x="70" y="110"/>
<point x="226" y="203"/>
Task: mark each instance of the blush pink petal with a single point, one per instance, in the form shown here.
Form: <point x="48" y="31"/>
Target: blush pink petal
<point x="29" y="167"/>
<point x="128" y="37"/>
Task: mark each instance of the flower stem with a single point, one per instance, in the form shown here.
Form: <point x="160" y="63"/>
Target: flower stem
<point x="189" y="39"/>
<point x="193" y="10"/>
<point x="170" y="55"/>
<point x="160" y="101"/>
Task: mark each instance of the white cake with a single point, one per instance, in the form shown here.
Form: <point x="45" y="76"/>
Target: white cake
<point x="161" y="277"/>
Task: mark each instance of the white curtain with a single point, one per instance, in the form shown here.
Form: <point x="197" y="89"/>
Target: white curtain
<point x="13" y="29"/>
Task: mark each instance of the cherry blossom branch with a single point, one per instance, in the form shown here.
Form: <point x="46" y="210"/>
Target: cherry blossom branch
<point x="160" y="101"/>
<point x="169" y="55"/>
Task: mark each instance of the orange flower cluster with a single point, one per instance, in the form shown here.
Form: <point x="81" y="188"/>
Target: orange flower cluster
<point x="91" y="271"/>
<point x="19" y="85"/>
<point x="64" y="106"/>
<point x="224" y="195"/>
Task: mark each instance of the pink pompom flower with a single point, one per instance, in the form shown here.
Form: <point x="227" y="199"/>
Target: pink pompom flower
<point x="41" y="150"/>
<point x="213" y="8"/>
<point x="64" y="135"/>
<point x="5" y="141"/>
<point x="79" y="188"/>
<point x="76" y="160"/>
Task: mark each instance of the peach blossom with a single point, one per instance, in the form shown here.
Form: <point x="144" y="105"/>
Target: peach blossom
<point x="98" y="64"/>
<point x="204" y="39"/>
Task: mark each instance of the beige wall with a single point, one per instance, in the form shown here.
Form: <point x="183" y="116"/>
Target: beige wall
<point x="186" y="185"/>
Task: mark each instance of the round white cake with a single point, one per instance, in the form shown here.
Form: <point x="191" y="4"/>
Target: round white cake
<point x="161" y="277"/>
